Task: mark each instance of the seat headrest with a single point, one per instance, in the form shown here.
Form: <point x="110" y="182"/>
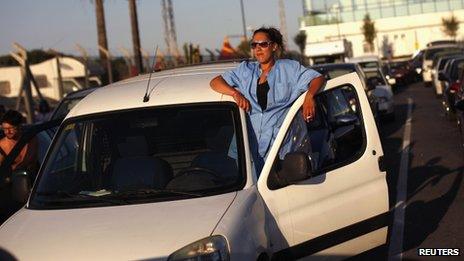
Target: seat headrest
<point x="134" y="146"/>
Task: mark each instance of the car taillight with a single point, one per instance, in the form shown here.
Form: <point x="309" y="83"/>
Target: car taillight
<point x="454" y="86"/>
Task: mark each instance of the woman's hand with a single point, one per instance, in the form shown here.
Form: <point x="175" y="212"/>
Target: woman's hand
<point x="241" y="101"/>
<point x="309" y="108"/>
<point x="220" y="85"/>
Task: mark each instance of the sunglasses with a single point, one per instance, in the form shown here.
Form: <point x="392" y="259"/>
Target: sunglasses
<point x="264" y="44"/>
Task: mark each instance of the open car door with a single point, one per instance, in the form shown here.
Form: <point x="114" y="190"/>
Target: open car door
<point x="42" y="134"/>
<point x="323" y="181"/>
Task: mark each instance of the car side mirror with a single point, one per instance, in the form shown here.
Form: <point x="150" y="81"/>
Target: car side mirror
<point x="460" y="105"/>
<point x="20" y="186"/>
<point x="295" y="167"/>
<point x="442" y="77"/>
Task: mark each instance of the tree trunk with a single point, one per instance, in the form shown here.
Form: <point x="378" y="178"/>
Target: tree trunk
<point x="101" y="31"/>
<point x="135" y="36"/>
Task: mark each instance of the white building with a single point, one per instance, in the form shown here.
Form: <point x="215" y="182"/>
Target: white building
<point x="46" y="75"/>
<point x="403" y="26"/>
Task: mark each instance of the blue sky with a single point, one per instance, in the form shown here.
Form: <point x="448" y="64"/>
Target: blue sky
<point x="60" y="24"/>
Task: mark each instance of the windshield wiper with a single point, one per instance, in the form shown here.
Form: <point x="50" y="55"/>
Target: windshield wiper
<point x="64" y="194"/>
<point x="148" y="192"/>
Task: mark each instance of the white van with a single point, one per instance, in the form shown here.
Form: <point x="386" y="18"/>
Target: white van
<point x="173" y="178"/>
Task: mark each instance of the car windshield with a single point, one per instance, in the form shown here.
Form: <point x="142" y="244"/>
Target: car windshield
<point x="64" y="107"/>
<point x="142" y="156"/>
<point x="430" y="53"/>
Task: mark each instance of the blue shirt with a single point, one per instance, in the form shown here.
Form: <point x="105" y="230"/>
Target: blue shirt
<point x="287" y="80"/>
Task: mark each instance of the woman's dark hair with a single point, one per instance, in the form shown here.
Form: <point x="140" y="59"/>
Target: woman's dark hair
<point x="12" y="117"/>
<point x="273" y="34"/>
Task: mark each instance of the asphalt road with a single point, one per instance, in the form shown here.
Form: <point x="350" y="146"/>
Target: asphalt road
<point x="434" y="205"/>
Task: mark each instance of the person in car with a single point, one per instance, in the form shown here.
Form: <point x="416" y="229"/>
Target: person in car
<point x="11" y="124"/>
<point x="266" y="88"/>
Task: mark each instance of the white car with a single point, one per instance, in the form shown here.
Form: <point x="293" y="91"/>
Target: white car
<point x="429" y="55"/>
<point x="371" y="66"/>
<point x="172" y="177"/>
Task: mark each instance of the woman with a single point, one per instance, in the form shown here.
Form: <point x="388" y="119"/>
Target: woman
<point x="267" y="88"/>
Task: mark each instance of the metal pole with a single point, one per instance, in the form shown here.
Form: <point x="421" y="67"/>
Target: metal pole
<point x="243" y="20"/>
<point x="108" y="62"/>
<point x="26" y="83"/>
<point x="85" y="61"/>
<point x="28" y="98"/>
<point x="58" y="72"/>
<point x="146" y="57"/>
<point x="127" y="58"/>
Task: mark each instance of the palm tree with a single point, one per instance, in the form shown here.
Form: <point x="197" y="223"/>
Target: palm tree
<point x="101" y="28"/>
<point x="369" y="31"/>
<point x="450" y="26"/>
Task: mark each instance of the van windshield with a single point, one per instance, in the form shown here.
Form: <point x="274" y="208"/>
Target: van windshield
<point x="140" y="156"/>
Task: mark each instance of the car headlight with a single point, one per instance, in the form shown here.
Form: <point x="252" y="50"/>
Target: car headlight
<point x="210" y="248"/>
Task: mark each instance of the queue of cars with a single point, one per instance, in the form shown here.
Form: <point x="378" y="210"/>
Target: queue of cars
<point x="133" y="178"/>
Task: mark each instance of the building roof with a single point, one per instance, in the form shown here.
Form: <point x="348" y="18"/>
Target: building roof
<point x="176" y="86"/>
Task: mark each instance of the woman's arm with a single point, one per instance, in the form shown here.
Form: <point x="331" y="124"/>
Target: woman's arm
<point x="309" y="105"/>
<point x="220" y="85"/>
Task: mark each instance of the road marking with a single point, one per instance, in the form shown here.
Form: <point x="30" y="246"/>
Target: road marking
<point x="395" y="250"/>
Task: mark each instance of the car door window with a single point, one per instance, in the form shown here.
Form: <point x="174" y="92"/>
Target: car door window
<point x="335" y="137"/>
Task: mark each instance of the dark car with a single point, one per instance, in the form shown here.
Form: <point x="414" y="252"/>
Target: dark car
<point x="441" y="61"/>
<point x="401" y="71"/>
<point x="68" y="102"/>
<point x="459" y="106"/>
<point x="43" y="133"/>
<point x="334" y="70"/>
<point x="441" y="42"/>
<point x="415" y="65"/>
<point x="451" y="76"/>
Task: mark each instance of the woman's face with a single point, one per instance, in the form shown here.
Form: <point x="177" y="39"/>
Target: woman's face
<point x="263" y="48"/>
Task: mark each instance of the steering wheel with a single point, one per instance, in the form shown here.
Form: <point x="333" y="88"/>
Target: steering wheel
<point x="196" y="168"/>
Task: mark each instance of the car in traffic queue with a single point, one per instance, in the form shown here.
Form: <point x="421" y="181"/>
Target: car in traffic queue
<point x="451" y="78"/>
<point x="162" y="168"/>
<point x="459" y="106"/>
<point x="69" y="101"/>
<point x="401" y="72"/>
<point x="429" y="55"/>
<point x="441" y="61"/>
<point x="372" y="69"/>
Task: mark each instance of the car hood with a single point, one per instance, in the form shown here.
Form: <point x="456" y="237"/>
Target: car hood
<point x="143" y="231"/>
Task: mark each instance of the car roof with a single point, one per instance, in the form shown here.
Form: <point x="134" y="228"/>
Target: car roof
<point x="365" y="58"/>
<point x="175" y="86"/>
<point x="80" y="93"/>
<point x="441" y="46"/>
<point x="335" y="65"/>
